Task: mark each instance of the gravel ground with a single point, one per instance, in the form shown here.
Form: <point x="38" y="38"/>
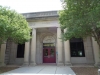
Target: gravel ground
<point x="5" y="69"/>
<point x="85" y="70"/>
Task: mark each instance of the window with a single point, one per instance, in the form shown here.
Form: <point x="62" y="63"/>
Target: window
<point x="20" y="50"/>
<point x="48" y="45"/>
<point x="52" y="52"/>
<point x="77" y="47"/>
<point x="46" y="52"/>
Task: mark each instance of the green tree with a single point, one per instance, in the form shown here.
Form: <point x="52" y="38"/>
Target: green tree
<point x="13" y="25"/>
<point x="81" y="18"/>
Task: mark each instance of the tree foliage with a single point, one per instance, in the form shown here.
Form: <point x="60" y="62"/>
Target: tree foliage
<point x="81" y="18"/>
<point x="13" y="25"/>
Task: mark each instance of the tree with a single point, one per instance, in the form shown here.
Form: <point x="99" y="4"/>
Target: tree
<point x="81" y="18"/>
<point x="13" y="25"/>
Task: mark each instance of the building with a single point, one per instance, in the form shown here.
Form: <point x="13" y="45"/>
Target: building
<point x="46" y="45"/>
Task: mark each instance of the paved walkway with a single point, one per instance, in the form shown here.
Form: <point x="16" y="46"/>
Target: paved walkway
<point x="41" y="70"/>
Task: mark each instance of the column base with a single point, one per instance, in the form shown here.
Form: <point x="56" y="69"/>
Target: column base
<point x="25" y="64"/>
<point x="97" y="64"/>
<point x="60" y="64"/>
<point x="68" y="64"/>
<point x="2" y="64"/>
<point x="32" y="64"/>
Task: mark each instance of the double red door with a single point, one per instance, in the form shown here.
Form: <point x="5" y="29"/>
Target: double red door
<point x="49" y="55"/>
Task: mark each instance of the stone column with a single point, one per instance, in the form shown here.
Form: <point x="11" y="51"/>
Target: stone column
<point x="2" y="54"/>
<point x="26" y="54"/>
<point x="33" y="48"/>
<point x="67" y="51"/>
<point x="96" y="52"/>
<point x="59" y="47"/>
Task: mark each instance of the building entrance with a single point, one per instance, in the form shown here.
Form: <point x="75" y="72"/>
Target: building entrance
<point x="49" y="53"/>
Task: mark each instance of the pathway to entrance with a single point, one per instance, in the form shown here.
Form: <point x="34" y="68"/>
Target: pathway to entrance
<point x="42" y="70"/>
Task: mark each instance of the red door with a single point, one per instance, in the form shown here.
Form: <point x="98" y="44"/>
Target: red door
<point x="49" y="55"/>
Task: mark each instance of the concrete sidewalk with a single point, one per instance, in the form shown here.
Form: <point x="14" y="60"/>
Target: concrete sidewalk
<point x="41" y="70"/>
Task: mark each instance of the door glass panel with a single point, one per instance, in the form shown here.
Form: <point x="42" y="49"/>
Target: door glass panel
<point x="46" y="52"/>
<point x="52" y="52"/>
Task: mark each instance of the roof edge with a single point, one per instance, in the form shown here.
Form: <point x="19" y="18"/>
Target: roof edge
<point x="40" y="14"/>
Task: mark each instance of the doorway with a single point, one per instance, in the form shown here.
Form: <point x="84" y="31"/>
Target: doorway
<point x="49" y="54"/>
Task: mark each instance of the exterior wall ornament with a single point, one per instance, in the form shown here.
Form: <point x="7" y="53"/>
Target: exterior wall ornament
<point x="44" y="35"/>
<point x="48" y="39"/>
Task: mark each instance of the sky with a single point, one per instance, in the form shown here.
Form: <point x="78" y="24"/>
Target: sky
<point x="25" y="6"/>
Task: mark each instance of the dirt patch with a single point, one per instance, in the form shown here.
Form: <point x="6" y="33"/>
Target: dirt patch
<point x="85" y="70"/>
<point x="5" y="69"/>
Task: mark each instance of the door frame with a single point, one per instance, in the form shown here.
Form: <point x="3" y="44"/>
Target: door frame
<point x="49" y="47"/>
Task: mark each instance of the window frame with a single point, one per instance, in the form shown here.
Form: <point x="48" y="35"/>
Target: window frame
<point x="77" y="51"/>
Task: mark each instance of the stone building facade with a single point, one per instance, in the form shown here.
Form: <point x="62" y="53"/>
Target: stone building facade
<point x="46" y="45"/>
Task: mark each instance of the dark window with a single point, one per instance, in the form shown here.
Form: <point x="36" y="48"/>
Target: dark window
<point x="20" y="50"/>
<point x="77" y="47"/>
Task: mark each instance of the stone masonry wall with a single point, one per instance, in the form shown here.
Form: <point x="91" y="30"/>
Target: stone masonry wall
<point x="7" y="52"/>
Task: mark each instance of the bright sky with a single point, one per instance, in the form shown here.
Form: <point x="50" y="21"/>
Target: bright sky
<point x="24" y="6"/>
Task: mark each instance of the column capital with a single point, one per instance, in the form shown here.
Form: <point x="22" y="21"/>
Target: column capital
<point x="58" y="27"/>
<point x="65" y="29"/>
<point x="33" y="28"/>
<point x="4" y="42"/>
<point x="33" y="31"/>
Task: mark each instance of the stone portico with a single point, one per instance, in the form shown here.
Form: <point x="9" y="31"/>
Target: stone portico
<point x="46" y="30"/>
<point x="46" y="34"/>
